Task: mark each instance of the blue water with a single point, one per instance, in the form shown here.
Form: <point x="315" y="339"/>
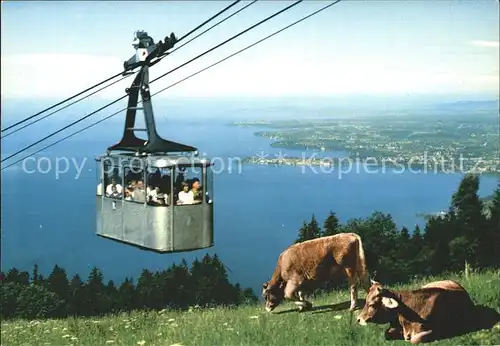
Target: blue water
<point x="49" y="220"/>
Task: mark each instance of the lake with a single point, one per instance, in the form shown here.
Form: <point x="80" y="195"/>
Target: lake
<point x="50" y="220"/>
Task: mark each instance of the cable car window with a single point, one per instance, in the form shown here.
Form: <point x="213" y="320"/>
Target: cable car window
<point x="135" y="188"/>
<point x="188" y="185"/>
<point x="209" y="185"/>
<point x="158" y="186"/>
<point x="112" y="181"/>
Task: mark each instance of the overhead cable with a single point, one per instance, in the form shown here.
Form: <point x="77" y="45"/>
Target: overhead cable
<point x="114" y="76"/>
<point x="69" y="104"/>
<point x="128" y="75"/>
<point x="163" y="75"/>
<point x="178" y="82"/>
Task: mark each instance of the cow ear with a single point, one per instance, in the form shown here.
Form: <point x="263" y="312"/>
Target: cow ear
<point x="264" y="286"/>
<point x="389" y="303"/>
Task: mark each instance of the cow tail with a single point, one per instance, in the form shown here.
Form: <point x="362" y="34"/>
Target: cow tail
<point x="361" y="267"/>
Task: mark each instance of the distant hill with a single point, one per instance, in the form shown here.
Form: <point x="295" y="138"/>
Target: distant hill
<point x="470" y="105"/>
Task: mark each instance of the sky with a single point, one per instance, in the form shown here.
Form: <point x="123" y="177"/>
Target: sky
<point x="51" y="50"/>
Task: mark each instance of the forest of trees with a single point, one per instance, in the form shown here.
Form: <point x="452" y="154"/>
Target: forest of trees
<point x="468" y="232"/>
<point x="179" y="287"/>
<point x="465" y="234"/>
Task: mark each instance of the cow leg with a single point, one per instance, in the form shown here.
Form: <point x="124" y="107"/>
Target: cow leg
<point x="352" y="280"/>
<point x="422" y="337"/>
<point x="292" y="294"/>
<point x="302" y="298"/>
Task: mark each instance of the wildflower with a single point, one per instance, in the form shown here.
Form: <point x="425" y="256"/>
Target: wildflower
<point x="74" y="338"/>
<point x="162" y="311"/>
<point x="65" y="329"/>
<point x="110" y="341"/>
<point x="142" y="342"/>
<point x="224" y="324"/>
<point x="171" y="320"/>
<point x="254" y="317"/>
<point x="66" y="336"/>
<point x="230" y="328"/>
<point x="177" y="344"/>
<point x="337" y="317"/>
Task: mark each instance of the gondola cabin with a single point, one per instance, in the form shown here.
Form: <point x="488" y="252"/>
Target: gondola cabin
<point x="160" y="203"/>
<point x="153" y="193"/>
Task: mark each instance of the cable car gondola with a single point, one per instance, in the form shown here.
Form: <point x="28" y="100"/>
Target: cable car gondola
<point x="166" y="211"/>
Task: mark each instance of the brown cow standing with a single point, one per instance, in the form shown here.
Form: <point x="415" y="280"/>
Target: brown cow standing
<point x="437" y="310"/>
<point x="302" y="266"/>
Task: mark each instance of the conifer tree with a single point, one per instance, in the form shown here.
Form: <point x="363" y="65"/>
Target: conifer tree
<point x="331" y="225"/>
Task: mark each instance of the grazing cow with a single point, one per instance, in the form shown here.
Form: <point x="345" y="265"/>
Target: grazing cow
<point x="303" y="265"/>
<point x="440" y="309"/>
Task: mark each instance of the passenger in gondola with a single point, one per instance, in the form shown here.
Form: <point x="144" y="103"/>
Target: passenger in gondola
<point x="161" y="199"/>
<point x="132" y="185"/>
<point x="185" y="196"/>
<point x="114" y="192"/>
<point x="128" y="195"/>
<point x="139" y="193"/>
<point x="153" y="193"/>
<point x="109" y="188"/>
<point x="197" y="191"/>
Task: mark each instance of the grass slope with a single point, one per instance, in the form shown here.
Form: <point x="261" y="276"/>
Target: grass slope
<point x="248" y="325"/>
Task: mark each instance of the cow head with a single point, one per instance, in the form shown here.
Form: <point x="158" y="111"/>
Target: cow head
<point x="379" y="307"/>
<point x="273" y="294"/>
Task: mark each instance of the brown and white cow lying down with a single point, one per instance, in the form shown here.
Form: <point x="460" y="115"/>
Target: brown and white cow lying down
<point x="304" y="265"/>
<point x="437" y="310"/>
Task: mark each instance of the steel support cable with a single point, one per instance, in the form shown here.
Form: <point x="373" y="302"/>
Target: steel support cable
<point x="100" y="89"/>
<point x="69" y="104"/>
<point x="163" y="75"/>
<point x="229" y="39"/>
<point x="209" y="19"/>
<point x="210" y="28"/>
<point x="172" y="85"/>
<point x="114" y="76"/>
<point x="59" y="103"/>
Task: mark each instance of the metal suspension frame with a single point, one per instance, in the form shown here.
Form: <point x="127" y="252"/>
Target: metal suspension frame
<point x="154" y="142"/>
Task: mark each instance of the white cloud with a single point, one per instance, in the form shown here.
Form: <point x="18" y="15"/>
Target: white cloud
<point x="279" y="74"/>
<point x="493" y="44"/>
<point x="54" y="75"/>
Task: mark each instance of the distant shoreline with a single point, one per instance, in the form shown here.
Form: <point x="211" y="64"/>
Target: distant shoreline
<point x="336" y="162"/>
